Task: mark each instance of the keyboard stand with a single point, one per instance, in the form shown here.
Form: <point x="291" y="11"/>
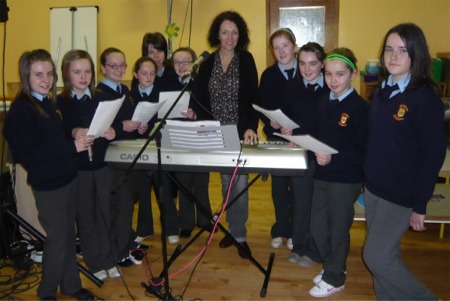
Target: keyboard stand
<point x="179" y="251"/>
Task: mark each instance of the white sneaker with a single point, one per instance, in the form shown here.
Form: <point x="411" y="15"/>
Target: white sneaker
<point x="140" y="239"/>
<point x="101" y="275"/>
<point x="294" y="258"/>
<point x="36" y="256"/>
<point x="318" y="277"/>
<point x="289" y="244"/>
<point x="305" y="261"/>
<point x="277" y="242"/>
<point x="323" y="289"/>
<point x="114" y="272"/>
<point x="173" y="239"/>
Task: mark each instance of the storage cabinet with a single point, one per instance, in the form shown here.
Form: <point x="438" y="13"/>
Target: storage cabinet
<point x="366" y="88"/>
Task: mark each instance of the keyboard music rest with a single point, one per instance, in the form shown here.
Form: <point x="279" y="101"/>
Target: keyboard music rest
<point x="270" y="158"/>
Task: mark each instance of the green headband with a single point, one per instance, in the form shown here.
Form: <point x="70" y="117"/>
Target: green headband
<point x="337" y="56"/>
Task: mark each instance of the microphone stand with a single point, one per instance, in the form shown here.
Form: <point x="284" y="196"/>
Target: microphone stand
<point x="156" y="135"/>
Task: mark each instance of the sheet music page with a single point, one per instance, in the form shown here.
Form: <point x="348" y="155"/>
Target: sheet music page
<point x="146" y="110"/>
<point x="169" y="98"/>
<point x="278" y="116"/>
<point x="310" y="143"/>
<point x="104" y="116"/>
<point x="193" y="123"/>
<point x="206" y="135"/>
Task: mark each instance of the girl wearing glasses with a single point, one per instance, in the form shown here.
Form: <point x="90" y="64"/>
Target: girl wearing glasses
<point x="114" y="66"/>
<point x="190" y="215"/>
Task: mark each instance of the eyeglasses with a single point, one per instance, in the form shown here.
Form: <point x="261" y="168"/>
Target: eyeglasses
<point x="182" y="63"/>
<point x="116" y="67"/>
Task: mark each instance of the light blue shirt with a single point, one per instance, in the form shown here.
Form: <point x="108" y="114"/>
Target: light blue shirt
<point x="40" y="97"/>
<point x="320" y="81"/>
<point x="147" y="91"/>
<point x="402" y="84"/>
<point x="344" y="95"/>
<point x="86" y="92"/>
<point x="160" y="72"/>
<point x="285" y="73"/>
<point x="111" y="84"/>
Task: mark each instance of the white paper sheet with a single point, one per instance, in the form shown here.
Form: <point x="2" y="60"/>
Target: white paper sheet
<point x="104" y="116"/>
<point x="145" y="111"/>
<point x="278" y="116"/>
<point x="310" y="143"/>
<point x="193" y="123"/>
<point x="169" y="98"/>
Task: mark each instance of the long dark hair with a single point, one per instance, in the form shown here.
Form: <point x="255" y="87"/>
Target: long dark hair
<point x="417" y="48"/>
<point x="236" y="18"/>
<point x="25" y="62"/>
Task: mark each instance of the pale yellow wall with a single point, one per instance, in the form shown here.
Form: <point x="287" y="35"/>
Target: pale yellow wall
<point x="122" y="24"/>
<point x="363" y="24"/>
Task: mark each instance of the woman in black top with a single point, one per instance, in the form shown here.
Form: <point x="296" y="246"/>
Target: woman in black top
<point x="226" y="87"/>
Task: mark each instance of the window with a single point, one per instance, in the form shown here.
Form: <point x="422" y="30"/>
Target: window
<point x="310" y="20"/>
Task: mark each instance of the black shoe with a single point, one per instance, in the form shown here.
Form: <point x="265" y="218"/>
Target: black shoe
<point x="185" y="233"/>
<point x="48" y="298"/>
<point x="138" y="255"/>
<point x="126" y="262"/>
<point x="241" y="252"/>
<point x="83" y="294"/>
<point x="225" y="242"/>
<point x="136" y="245"/>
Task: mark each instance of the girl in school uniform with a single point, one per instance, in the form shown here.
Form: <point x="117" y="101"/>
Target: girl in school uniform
<point x="35" y="134"/>
<point x="190" y="214"/>
<point x="405" y="153"/>
<point x="271" y="94"/>
<point x="113" y="66"/>
<point x="154" y="45"/>
<point x="338" y="178"/>
<point x="302" y="104"/>
<point x="144" y="71"/>
<point x="77" y="105"/>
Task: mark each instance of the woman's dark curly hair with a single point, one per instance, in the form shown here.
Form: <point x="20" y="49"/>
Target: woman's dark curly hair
<point x="236" y="18"/>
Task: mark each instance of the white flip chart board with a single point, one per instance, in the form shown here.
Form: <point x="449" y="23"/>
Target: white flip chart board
<point x="72" y="28"/>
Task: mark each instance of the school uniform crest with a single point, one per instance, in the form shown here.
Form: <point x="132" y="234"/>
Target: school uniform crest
<point x="343" y="120"/>
<point x="400" y="115"/>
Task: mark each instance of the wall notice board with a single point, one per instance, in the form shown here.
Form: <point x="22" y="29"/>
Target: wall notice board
<point x="73" y="28"/>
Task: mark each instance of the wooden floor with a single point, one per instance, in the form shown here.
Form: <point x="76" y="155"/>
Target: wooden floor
<point x="222" y="275"/>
